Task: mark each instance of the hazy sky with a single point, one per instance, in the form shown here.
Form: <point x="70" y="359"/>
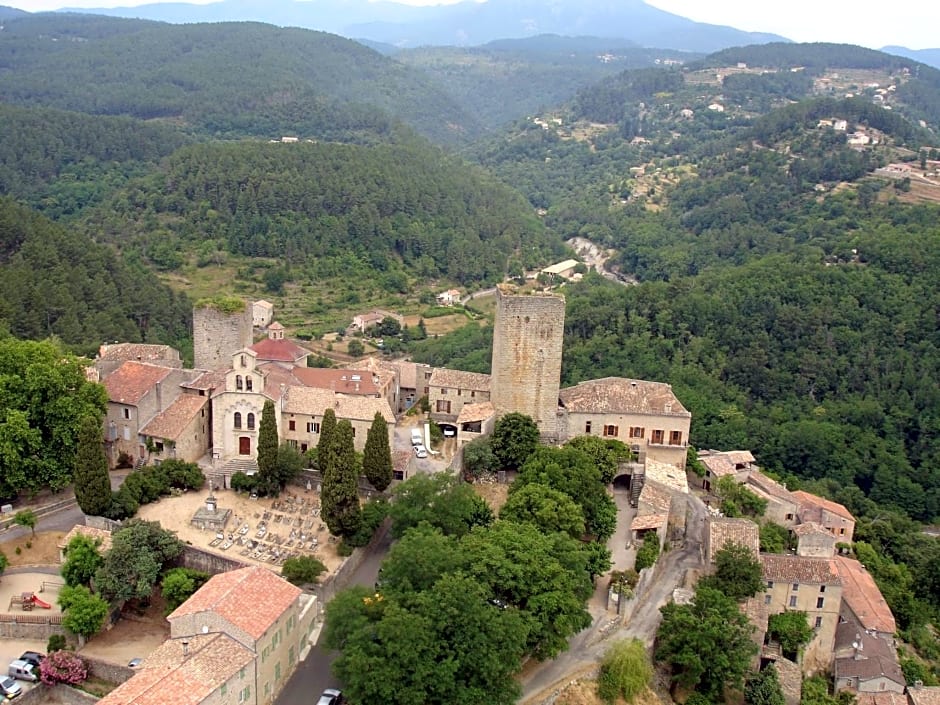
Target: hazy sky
<point x="912" y="24"/>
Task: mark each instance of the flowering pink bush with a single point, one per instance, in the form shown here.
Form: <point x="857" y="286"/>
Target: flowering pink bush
<point x="62" y="667"/>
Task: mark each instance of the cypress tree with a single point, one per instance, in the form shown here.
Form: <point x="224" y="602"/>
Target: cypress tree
<point x="377" y="456"/>
<point x="92" y="482"/>
<point x="340" y="499"/>
<point x="267" y="450"/>
<point x="327" y="427"/>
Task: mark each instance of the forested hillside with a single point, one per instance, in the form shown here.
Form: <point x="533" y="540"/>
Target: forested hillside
<point x="327" y="211"/>
<point x="226" y="79"/>
<point x="56" y="282"/>
<point x="61" y="162"/>
<point x="509" y="79"/>
<point x="787" y="291"/>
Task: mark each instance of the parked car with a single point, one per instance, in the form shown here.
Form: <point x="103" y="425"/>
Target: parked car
<point x="449" y="431"/>
<point x="9" y="687"/>
<point x="33" y="657"/>
<point x="417" y="437"/>
<point x="421" y="451"/>
<point x="23" y="670"/>
<point x="331" y="696"/>
<point x="135" y="662"/>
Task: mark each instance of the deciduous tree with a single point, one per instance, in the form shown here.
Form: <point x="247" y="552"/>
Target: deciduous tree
<point x="139" y="550"/>
<point x="738" y="573"/>
<point x="179" y="584"/>
<point x="26" y="518"/>
<point x="461" y="649"/>
<point x="442" y="500"/>
<point x="763" y="688"/>
<point x="546" y="508"/>
<point x="515" y="437"/>
<point x="706" y="643"/>
<point x="82" y="560"/>
<point x="83" y="612"/>
<point x="303" y="570"/>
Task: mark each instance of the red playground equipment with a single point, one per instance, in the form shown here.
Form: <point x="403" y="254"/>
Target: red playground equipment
<point x="28" y="600"/>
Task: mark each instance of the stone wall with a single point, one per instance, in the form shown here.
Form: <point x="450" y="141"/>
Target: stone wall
<point x="30" y="626"/>
<point x="526" y="367"/>
<point x="64" y="694"/>
<point x="107" y="671"/>
<point x="217" y="336"/>
<point x="197" y="559"/>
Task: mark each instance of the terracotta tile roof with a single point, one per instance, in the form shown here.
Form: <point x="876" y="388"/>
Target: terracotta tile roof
<point x="671" y="477"/>
<point x="313" y="401"/>
<point x="131" y="381"/>
<point x="722" y="530"/>
<point x="810" y="527"/>
<point x="458" y="379"/>
<point x="722" y="463"/>
<point x="811" y="500"/>
<point x="799" y="569"/>
<point x="276" y="380"/>
<point x="762" y="484"/>
<point x="281" y="350"/>
<point x="251" y="599"/>
<point x="613" y="395"/>
<point x="863" y="597"/>
<point x="648" y="521"/>
<point x="173" y="420"/>
<point x="208" y="380"/>
<point x="656" y="496"/>
<point x="337" y="380"/>
<point x="924" y="695"/>
<point x="882" y="698"/>
<point x="167" y="675"/>
<point x="401" y="459"/>
<point x="102" y="536"/>
<point x="263" y="304"/>
<point x="475" y="412"/>
<point x="139" y="352"/>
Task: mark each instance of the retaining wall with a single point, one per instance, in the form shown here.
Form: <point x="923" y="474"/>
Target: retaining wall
<point x="211" y="563"/>
<point x="30" y="626"/>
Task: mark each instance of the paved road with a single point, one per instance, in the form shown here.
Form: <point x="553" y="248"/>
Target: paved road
<point x="314" y="675"/>
<point x="586" y="648"/>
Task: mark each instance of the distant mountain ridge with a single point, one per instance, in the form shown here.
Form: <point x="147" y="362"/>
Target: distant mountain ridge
<point x="465" y="23"/>
<point x="931" y="57"/>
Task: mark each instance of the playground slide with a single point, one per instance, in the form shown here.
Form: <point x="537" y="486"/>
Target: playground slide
<point x="39" y="603"/>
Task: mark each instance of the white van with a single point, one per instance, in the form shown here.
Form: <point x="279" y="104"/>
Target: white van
<point x="9" y="687"/>
<point x="417" y="437"/>
<point x="22" y="670"/>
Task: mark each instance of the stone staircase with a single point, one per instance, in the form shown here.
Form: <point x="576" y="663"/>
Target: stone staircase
<point x="245" y="465"/>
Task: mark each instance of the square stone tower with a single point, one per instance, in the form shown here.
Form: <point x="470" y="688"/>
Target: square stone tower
<point x="526" y="367"/>
<point x="221" y="327"/>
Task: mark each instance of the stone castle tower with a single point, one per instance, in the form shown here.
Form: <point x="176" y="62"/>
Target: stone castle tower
<point x="526" y="367"/>
<point x="221" y="327"/>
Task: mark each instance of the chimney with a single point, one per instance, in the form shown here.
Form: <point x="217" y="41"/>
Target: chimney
<point x="185" y="644"/>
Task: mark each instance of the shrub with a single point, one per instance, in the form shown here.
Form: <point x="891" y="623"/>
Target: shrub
<point x="243" y="483"/>
<point x="302" y="570"/>
<point x="647" y="554"/>
<point x="344" y="549"/>
<point x="373" y="514"/>
<point x="56" y="643"/>
<point x="62" y="667"/>
<point x="625" y="671"/>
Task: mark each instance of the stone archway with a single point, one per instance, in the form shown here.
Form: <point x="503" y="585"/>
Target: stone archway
<point x="623" y="482"/>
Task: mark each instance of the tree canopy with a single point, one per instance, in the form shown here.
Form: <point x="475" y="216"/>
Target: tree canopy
<point x="44" y="399"/>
